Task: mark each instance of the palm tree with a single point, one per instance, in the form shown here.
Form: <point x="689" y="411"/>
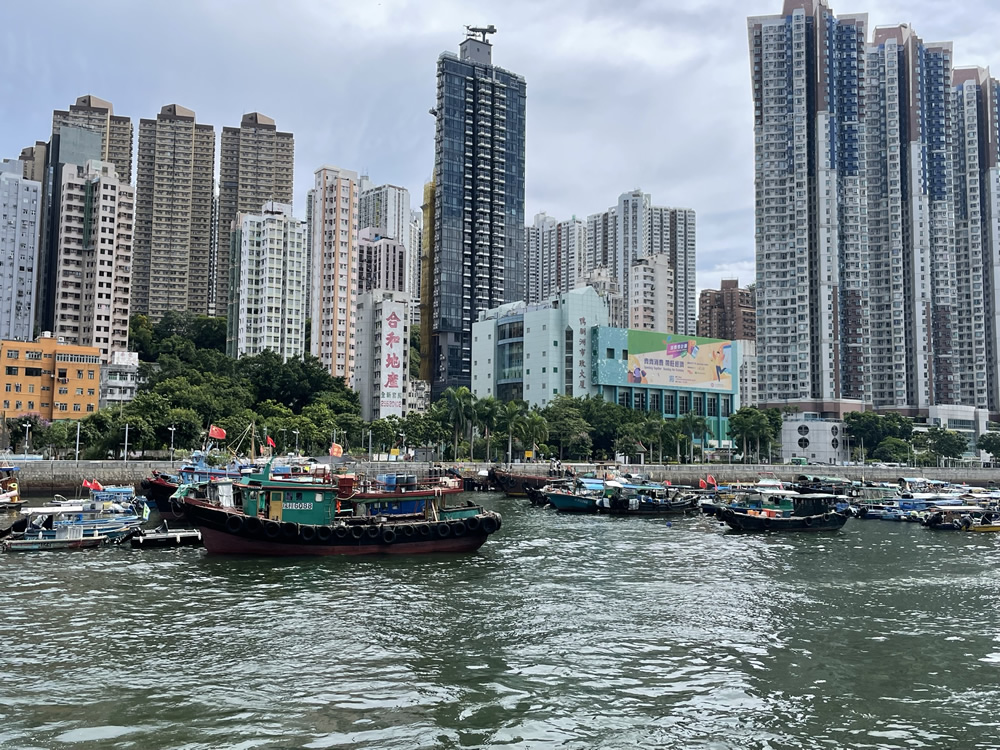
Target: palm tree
<point x="536" y="429"/>
<point x="486" y="416"/>
<point x="510" y="419"/>
<point x="694" y="425"/>
<point x="459" y="408"/>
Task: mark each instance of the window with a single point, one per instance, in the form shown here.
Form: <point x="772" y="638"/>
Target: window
<point x="12" y="371"/>
<point x="610" y="353"/>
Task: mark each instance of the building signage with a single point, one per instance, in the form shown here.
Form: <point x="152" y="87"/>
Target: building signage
<point x="394" y="360"/>
<point x="681" y="361"/>
<point x="581" y="346"/>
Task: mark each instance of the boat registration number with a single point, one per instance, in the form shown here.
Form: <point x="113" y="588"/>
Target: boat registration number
<point x="296" y="506"/>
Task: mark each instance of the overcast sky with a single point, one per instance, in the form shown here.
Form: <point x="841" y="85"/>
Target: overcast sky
<point x="621" y="94"/>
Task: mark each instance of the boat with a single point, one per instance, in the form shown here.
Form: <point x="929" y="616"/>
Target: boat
<point x="809" y="512"/>
<point x="649" y="499"/>
<point x="165" y="537"/>
<point x="276" y="517"/>
<point x="582" y="495"/>
<point x="10" y="492"/>
<point x="159" y="486"/>
<point x="972" y="518"/>
<point x="67" y="537"/>
<point x="515" y="484"/>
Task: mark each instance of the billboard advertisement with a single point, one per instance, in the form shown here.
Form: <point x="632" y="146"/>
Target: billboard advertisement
<point x="677" y="361"/>
<point x="395" y="350"/>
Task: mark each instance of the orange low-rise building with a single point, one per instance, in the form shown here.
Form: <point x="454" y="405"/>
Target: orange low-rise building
<point x="49" y="378"/>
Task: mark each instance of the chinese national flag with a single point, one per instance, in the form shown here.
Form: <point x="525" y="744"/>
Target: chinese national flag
<point x="270" y="442"/>
<point x="217" y="433"/>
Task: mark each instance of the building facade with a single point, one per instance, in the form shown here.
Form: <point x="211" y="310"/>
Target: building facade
<point x="478" y="260"/>
<point x="49" y="378"/>
<point x="729" y="312"/>
<point x="651" y="294"/>
<point x="555" y="256"/>
<point x="382" y="371"/>
<point x="119" y="380"/>
<point x="20" y="221"/>
<point x="268" y="283"/>
<point x="173" y="217"/>
<point x="256" y="165"/>
<point x="98" y="116"/>
<point x="381" y="263"/>
<point x="334" y="269"/>
<point x="94" y="255"/>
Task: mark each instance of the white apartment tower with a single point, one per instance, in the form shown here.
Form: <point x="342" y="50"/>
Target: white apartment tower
<point x="334" y="268"/>
<point x="414" y="268"/>
<point x="173" y="218"/>
<point x="94" y="257"/>
<point x="651" y="294"/>
<point x="382" y="365"/>
<point x="268" y="284"/>
<point x="381" y="263"/>
<point x="555" y="256"/>
<point x="20" y="221"/>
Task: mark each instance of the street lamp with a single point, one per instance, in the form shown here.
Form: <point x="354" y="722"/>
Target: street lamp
<point x="171" y="428"/>
<point x="27" y="429"/>
<point x="284" y="442"/>
<point x="296" y="433"/>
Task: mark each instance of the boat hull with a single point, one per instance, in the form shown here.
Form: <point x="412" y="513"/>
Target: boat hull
<point x="42" y="545"/>
<point x="157" y="491"/>
<point x="745" y="522"/>
<point x="515" y="485"/>
<point x="566" y="503"/>
<point x="229" y="532"/>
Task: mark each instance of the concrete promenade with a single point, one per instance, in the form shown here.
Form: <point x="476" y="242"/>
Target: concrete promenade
<point x="67" y="476"/>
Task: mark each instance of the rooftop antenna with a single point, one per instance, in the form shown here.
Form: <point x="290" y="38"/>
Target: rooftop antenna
<point x="472" y="31"/>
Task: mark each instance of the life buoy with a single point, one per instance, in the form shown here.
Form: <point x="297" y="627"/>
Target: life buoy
<point x="234" y="524"/>
<point x="373" y="532"/>
<point x="424" y="529"/>
<point x="473" y="524"/>
<point x="489" y="524"/>
<point x="341" y="532"/>
<point x="458" y="528"/>
<point x="808" y="521"/>
<point x="357" y="531"/>
<point x="272" y="529"/>
<point x="443" y="529"/>
<point x="307" y="532"/>
<point x="324" y="533"/>
<point x="388" y="535"/>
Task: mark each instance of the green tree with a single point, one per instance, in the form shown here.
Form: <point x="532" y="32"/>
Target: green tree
<point x="486" y="417"/>
<point x="510" y="419"/>
<point x="893" y="450"/>
<point x="946" y="443"/>
<point x="694" y="426"/>
<point x="536" y="430"/>
<point x="750" y="425"/>
<point x="458" y="403"/>
<point x="990" y="442"/>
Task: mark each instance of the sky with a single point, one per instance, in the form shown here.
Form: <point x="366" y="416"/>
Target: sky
<point x="621" y="95"/>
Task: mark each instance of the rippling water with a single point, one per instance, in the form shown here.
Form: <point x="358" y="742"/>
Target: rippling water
<point x="563" y="631"/>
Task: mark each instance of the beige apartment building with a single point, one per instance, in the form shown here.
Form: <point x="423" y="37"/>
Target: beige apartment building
<point x="255" y="167"/>
<point x="173" y="217"/>
<point x="98" y="116"/>
<point x="94" y="258"/>
<point x="334" y="269"/>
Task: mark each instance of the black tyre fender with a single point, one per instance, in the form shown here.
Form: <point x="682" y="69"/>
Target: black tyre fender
<point x="324" y="533"/>
<point x="253" y="525"/>
<point x="423" y="529"/>
<point x="289" y="530"/>
<point x="458" y="528"/>
<point x="272" y="529"/>
<point x="826" y="516"/>
<point x="341" y="532"/>
<point x="234" y="524"/>
<point x="767" y="523"/>
<point x="473" y="524"/>
<point x="408" y="530"/>
<point x="490" y="524"/>
<point x="307" y="532"/>
<point x="808" y="521"/>
<point x="374" y="532"/>
<point x="357" y="531"/>
<point x="443" y="529"/>
<point x="388" y="535"/>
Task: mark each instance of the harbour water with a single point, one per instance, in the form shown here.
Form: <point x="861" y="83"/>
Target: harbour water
<point x="563" y="631"/>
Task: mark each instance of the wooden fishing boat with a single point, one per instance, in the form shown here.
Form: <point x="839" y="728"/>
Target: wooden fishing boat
<point x="515" y="485"/>
<point x="275" y="517"/>
<point x="815" y="512"/>
<point x="67" y="537"/>
<point x="649" y="499"/>
<point x="972" y="518"/>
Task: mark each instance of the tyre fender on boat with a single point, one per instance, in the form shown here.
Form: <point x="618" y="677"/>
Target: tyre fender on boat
<point x="253" y="524"/>
<point x="307" y="532"/>
<point x="234" y="524"/>
<point x="341" y="532"/>
<point x="272" y="529"/>
<point x="424" y="529"/>
<point x="826" y="516"/>
<point x="443" y="529"/>
<point x="472" y="524"/>
<point x="767" y="523"/>
<point x="388" y="535"/>
<point x="374" y="532"/>
<point x="458" y="528"/>
<point x="408" y="530"/>
<point x="489" y="524"/>
<point x="808" y="521"/>
<point x="324" y="533"/>
<point x="290" y="530"/>
<point x="357" y="532"/>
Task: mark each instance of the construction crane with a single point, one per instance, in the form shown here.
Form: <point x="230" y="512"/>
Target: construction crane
<point x="471" y="31"/>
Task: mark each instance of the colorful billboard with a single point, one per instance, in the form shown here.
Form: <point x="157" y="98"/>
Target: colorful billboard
<point x="672" y="360"/>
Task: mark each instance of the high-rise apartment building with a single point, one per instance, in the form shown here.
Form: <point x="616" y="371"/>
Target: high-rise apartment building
<point x="173" y="218"/>
<point x="386" y="210"/>
<point x="255" y="166"/>
<point x="728" y="313"/>
<point x="381" y="263"/>
<point x="651" y="294"/>
<point x="555" y="256"/>
<point x="93" y="270"/>
<point x="334" y="268"/>
<point x="268" y="283"/>
<point x="20" y="220"/>
<point x="381" y="375"/>
<point x="808" y="78"/>
<point x="34" y="161"/>
<point x="479" y="205"/>
<point x="414" y="270"/>
<point x="98" y="116"/>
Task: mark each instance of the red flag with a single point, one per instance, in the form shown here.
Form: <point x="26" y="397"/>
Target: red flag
<point x="270" y="442"/>
<point x="216" y="433"/>
<point x="711" y="480"/>
<point x="336" y="449"/>
<point x="87" y="484"/>
<point x="95" y="485"/>
<point x="702" y="484"/>
<point x="669" y="484"/>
